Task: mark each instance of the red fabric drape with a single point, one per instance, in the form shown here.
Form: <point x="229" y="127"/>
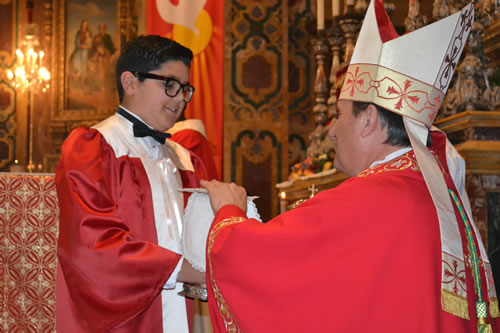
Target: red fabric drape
<point x="201" y="28"/>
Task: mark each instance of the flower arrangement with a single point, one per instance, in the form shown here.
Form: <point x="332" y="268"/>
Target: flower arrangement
<point x="312" y="165"/>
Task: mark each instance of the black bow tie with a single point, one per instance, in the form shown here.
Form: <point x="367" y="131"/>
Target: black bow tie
<point x="141" y="130"/>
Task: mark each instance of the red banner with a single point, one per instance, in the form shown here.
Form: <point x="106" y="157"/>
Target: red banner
<point x="198" y="25"/>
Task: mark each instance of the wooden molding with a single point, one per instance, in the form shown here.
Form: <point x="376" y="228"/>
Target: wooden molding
<point x="469" y="119"/>
<point x="481" y="157"/>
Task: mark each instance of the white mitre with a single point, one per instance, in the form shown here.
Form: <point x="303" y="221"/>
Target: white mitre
<point x="410" y="75"/>
<point x="406" y="74"/>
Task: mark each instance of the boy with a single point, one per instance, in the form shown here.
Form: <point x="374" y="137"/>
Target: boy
<point x="120" y="208"/>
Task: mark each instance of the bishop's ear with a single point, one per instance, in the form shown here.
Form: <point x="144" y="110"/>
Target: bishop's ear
<point x="370" y="120"/>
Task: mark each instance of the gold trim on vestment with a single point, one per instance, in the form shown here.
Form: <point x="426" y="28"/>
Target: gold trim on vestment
<point x="393" y="91"/>
<point x="454" y="304"/>
<point x="398" y="164"/>
<point x="492" y="293"/>
<point x="225" y="312"/>
<point x="494" y="308"/>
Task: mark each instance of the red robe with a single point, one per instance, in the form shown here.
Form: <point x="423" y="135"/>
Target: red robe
<point x="110" y="269"/>
<point x="362" y="257"/>
<point x="191" y="137"/>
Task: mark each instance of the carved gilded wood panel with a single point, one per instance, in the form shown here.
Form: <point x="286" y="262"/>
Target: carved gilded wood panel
<point x="256" y="103"/>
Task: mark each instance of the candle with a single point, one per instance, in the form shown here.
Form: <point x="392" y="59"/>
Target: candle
<point x="283" y="203"/>
<point x="20" y="55"/>
<point x="335" y="8"/>
<point x="320" y="12"/>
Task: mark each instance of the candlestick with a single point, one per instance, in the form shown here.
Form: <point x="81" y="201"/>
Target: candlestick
<point x="335" y="8"/>
<point x="336" y="40"/>
<point x="29" y="76"/>
<point x="20" y="56"/>
<point x="320" y="12"/>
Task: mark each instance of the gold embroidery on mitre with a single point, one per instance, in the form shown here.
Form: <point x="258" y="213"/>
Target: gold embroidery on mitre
<point x="225" y="312"/>
<point x="406" y="161"/>
<point x="393" y="91"/>
<point x="454" y="304"/>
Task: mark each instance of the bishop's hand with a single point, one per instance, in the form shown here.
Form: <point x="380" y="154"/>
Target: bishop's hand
<point x="225" y="194"/>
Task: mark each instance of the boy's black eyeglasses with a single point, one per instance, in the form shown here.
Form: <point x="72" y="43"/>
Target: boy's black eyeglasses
<point x="172" y="86"/>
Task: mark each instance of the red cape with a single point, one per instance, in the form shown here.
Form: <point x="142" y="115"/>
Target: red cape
<point x="362" y="257"/>
<point x="199" y="145"/>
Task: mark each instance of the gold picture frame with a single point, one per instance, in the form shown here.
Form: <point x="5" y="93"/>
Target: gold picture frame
<point x="87" y="35"/>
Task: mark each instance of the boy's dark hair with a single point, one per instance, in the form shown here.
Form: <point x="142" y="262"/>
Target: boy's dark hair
<point x="147" y="53"/>
<point x="396" y="132"/>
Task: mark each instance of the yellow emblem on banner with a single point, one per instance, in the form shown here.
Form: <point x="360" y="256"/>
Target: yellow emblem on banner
<point x="187" y="37"/>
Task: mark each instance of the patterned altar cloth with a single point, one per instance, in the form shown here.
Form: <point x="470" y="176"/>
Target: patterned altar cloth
<point x="28" y="260"/>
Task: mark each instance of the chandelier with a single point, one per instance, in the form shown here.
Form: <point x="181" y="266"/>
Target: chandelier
<point x="29" y="71"/>
<point x="31" y="76"/>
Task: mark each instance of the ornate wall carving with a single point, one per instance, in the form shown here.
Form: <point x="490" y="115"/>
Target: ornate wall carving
<point x="256" y="101"/>
<point x="268" y="94"/>
<point x="301" y="68"/>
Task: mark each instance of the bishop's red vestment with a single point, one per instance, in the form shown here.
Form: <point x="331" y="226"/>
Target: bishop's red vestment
<point x="362" y="257"/>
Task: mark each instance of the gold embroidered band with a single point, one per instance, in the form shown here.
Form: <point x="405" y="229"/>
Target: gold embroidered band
<point x="393" y="91"/>
<point x="494" y="308"/>
<point x="492" y="294"/>
<point x="227" y="316"/>
<point x="454" y="304"/>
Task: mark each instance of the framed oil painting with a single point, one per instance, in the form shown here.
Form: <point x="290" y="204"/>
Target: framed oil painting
<point x="92" y="37"/>
<point x="88" y="35"/>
